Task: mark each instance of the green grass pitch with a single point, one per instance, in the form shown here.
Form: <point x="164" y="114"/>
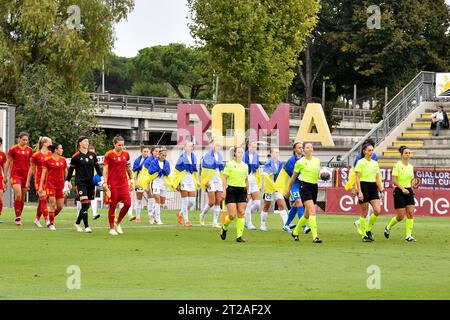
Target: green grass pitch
<point x="174" y="262"/>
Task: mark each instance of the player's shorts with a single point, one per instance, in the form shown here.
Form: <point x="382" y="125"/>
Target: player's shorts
<point x="188" y="183"/>
<point x="236" y="195"/>
<point x="159" y="188"/>
<point x="19" y="180"/>
<point x="215" y="185"/>
<point x="273" y="196"/>
<point x="295" y="191"/>
<point x="253" y="186"/>
<point x="308" y="191"/>
<point x="139" y="189"/>
<point x="85" y="191"/>
<point x="57" y="193"/>
<point x="120" y="195"/>
<point x="402" y="200"/>
<point x="369" y="191"/>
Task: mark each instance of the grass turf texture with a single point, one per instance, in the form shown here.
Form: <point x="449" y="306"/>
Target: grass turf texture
<point x="175" y="262"/>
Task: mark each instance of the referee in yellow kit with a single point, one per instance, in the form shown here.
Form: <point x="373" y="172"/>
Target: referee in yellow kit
<point x="402" y="178"/>
<point x="235" y="186"/>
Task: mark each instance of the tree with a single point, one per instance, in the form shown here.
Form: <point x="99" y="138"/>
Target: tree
<point x="175" y="64"/>
<point x="54" y="44"/>
<point x="46" y="109"/>
<point x="253" y="44"/>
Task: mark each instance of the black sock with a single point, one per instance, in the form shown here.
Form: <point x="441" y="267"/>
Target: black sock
<point x="80" y="216"/>
<point x="84" y="214"/>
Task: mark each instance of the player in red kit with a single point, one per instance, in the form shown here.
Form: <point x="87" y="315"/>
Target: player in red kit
<point x="37" y="164"/>
<point x="53" y="176"/>
<point x="117" y="174"/>
<point x="19" y="162"/>
<point x="3" y="175"/>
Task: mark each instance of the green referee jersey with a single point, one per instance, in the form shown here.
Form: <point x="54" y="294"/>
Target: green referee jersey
<point x="237" y="173"/>
<point x="309" y="169"/>
<point x="403" y="173"/>
<point x="368" y="170"/>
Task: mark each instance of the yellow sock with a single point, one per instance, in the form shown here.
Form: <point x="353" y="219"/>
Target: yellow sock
<point x="362" y="222"/>
<point x="303" y="221"/>
<point x="313" y="226"/>
<point x="409" y="227"/>
<point x="372" y="220"/>
<point x="227" y="223"/>
<point x="240" y="227"/>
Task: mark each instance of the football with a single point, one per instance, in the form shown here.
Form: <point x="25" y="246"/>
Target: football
<point x="324" y="174"/>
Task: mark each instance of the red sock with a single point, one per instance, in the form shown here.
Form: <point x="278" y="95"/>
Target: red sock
<point x="44" y="209"/>
<point x="1" y="207"/>
<point x="51" y="215"/>
<point x="22" y="204"/>
<point x="17" y="205"/>
<point x="122" y="214"/>
<point x="111" y="216"/>
<point x="57" y="211"/>
<point x="38" y="210"/>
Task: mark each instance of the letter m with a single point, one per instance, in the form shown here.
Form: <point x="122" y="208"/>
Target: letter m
<point x="260" y="122"/>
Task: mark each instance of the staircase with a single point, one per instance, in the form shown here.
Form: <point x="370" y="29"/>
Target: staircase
<point x="406" y="121"/>
<point x="428" y="150"/>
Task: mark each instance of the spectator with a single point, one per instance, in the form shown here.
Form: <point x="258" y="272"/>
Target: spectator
<point x="439" y="120"/>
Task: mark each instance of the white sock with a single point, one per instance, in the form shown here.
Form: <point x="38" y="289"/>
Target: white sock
<point x="138" y="208"/>
<point x="256" y="205"/>
<point x="150" y="206"/>
<point x="248" y="213"/>
<point x="206" y="209"/>
<point x="94" y="207"/>
<point x="184" y="208"/>
<point x="263" y="217"/>
<point x="157" y="212"/>
<point x="78" y="206"/>
<point x="191" y="203"/>
<point x="216" y="212"/>
<point x="369" y="212"/>
<point x="284" y="216"/>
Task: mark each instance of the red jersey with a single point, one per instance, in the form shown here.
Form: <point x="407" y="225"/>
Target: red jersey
<point x="3" y="159"/>
<point x="55" y="172"/>
<point x="38" y="160"/>
<point x="20" y="160"/>
<point x="117" y="168"/>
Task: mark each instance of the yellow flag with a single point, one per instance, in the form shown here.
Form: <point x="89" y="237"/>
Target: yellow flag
<point x="351" y="179"/>
<point x="258" y="179"/>
<point x="177" y="177"/>
<point x="269" y="186"/>
<point x="282" y="183"/>
<point x="207" y="174"/>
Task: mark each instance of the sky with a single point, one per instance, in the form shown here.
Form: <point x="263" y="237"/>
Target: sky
<point x="154" y="22"/>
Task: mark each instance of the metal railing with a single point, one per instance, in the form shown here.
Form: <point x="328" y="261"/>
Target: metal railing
<point x="155" y="104"/>
<point x="421" y="88"/>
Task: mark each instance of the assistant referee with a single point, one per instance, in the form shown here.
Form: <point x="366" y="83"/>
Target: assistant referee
<point x="235" y="186"/>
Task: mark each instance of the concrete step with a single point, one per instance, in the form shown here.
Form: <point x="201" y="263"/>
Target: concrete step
<point x="426" y="141"/>
<point x="420" y="152"/>
<point x="428" y="110"/>
<point x="427" y="115"/>
<point x="407" y="142"/>
<point x="421" y="125"/>
<point x="418" y="161"/>
<point x="416" y="133"/>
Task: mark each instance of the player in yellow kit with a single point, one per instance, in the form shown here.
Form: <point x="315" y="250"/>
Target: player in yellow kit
<point x="308" y="167"/>
<point x="402" y="178"/>
<point x="368" y="183"/>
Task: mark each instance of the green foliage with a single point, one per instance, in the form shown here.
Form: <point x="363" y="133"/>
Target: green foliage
<point x="175" y="65"/>
<point x="150" y="89"/>
<point x="46" y="109"/>
<point x="253" y="43"/>
<point x="43" y="59"/>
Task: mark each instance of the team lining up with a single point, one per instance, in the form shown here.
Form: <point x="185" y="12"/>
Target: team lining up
<point x="238" y="182"/>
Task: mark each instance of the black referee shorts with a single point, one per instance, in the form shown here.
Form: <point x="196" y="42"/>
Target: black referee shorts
<point x="84" y="190"/>
<point x="236" y="195"/>
<point x="402" y="200"/>
<point x="369" y="191"/>
<point x="308" y="191"/>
